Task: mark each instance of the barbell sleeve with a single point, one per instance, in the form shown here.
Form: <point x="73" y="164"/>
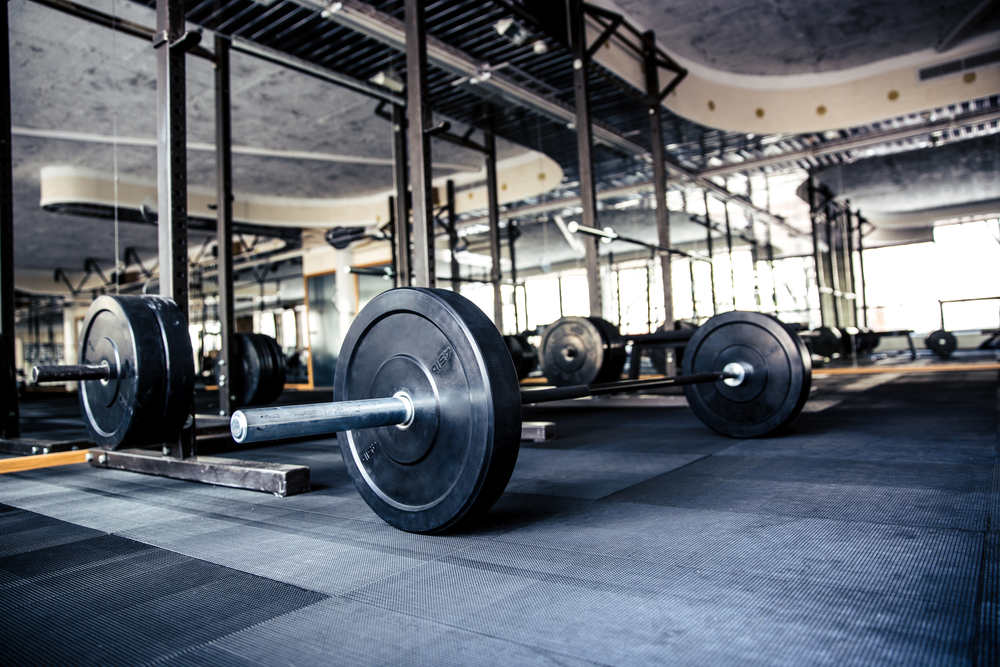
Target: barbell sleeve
<point x="295" y="421"/>
<point x="70" y="373"/>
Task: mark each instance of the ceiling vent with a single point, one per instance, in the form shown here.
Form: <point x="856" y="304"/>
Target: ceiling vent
<point x="961" y="65"/>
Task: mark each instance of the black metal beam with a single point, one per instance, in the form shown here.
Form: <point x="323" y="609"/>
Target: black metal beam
<point x="659" y="179"/>
<point x="861" y="271"/>
<point x="226" y="360"/>
<point x="817" y="255"/>
<point x="585" y="145"/>
<point x="402" y="217"/>
<point x="123" y="26"/>
<point x="10" y="424"/>
<point x="493" y="210"/>
<point x="456" y="281"/>
<point x="708" y="243"/>
<point x="171" y="44"/>
<point x="419" y="121"/>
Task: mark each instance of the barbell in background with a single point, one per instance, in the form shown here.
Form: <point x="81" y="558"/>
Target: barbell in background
<point x="427" y="406"/>
<point x="136" y="371"/>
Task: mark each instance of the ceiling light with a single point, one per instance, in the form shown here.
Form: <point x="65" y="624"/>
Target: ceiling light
<point x="387" y="81"/>
<point x="511" y="30"/>
<point x="333" y="8"/>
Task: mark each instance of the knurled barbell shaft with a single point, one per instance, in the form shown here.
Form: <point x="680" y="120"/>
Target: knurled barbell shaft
<point x="583" y="390"/>
<point x="295" y="421"/>
<point x="70" y="373"/>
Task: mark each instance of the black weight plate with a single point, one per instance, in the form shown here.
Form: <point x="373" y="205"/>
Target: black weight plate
<point x="124" y="332"/>
<point x="529" y="357"/>
<point x="658" y="355"/>
<point x="575" y="350"/>
<point x="251" y="366"/>
<point x="941" y="342"/>
<point x="265" y="379"/>
<point x="777" y="382"/>
<point x="614" y="351"/>
<point x="179" y="358"/>
<point x="827" y="341"/>
<point x="281" y="375"/>
<point x="516" y="351"/>
<point x="522" y="353"/>
<point x="455" y="459"/>
<point x="275" y="369"/>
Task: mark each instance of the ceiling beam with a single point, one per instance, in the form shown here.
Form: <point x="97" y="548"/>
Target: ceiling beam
<point x="857" y="142"/>
<point x="389" y="30"/>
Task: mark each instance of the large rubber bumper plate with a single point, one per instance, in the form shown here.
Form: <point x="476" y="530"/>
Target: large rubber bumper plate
<point x="778" y="374"/>
<point x="145" y="343"/>
<point x="581" y="350"/>
<point x="454" y="460"/>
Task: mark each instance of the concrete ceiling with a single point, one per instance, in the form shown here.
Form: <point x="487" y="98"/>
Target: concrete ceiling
<point x="912" y="190"/>
<point x="70" y="76"/>
<point x="781" y="37"/>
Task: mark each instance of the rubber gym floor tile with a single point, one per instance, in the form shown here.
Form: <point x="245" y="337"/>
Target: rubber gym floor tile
<point x="622" y="611"/>
<point x="849" y="502"/>
<point x="590" y="475"/>
<point x="344" y="632"/>
<point x="100" y="511"/>
<point x="918" y="562"/>
<point x="324" y="565"/>
<point x="974" y="451"/>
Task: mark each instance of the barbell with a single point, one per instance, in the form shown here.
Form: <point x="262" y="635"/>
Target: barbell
<point x="136" y="371"/>
<point x="427" y="407"/>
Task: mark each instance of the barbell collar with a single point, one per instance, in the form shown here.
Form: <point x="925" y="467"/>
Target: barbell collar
<point x="296" y="421"/>
<point x="40" y="374"/>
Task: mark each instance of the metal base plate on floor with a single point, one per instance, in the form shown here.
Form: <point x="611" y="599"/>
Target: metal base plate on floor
<point x="277" y="478"/>
<point x="33" y="447"/>
<point x="538" y="431"/>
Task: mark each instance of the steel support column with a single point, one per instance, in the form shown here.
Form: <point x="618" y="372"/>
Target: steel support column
<point x="419" y="120"/>
<point x="171" y="152"/>
<point x="817" y="256"/>
<point x="585" y="145"/>
<point x="659" y="183"/>
<point x="847" y="233"/>
<point x="711" y="261"/>
<point x="456" y="282"/>
<point x="861" y="271"/>
<point x="837" y="294"/>
<point x="512" y="233"/>
<point x="493" y="211"/>
<point x="401" y="232"/>
<point x="729" y="247"/>
<point x="10" y="424"/>
<point x="226" y="360"/>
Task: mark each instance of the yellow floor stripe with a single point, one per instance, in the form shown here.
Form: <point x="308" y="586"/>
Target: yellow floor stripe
<point x="932" y="368"/>
<point x="22" y="463"/>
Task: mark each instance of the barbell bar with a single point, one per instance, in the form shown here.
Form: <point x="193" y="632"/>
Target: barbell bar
<point x="276" y="423"/>
<point x="70" y="373"/>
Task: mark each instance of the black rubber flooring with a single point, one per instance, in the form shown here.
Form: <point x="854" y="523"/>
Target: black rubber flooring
<point x="866" y="534"/>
